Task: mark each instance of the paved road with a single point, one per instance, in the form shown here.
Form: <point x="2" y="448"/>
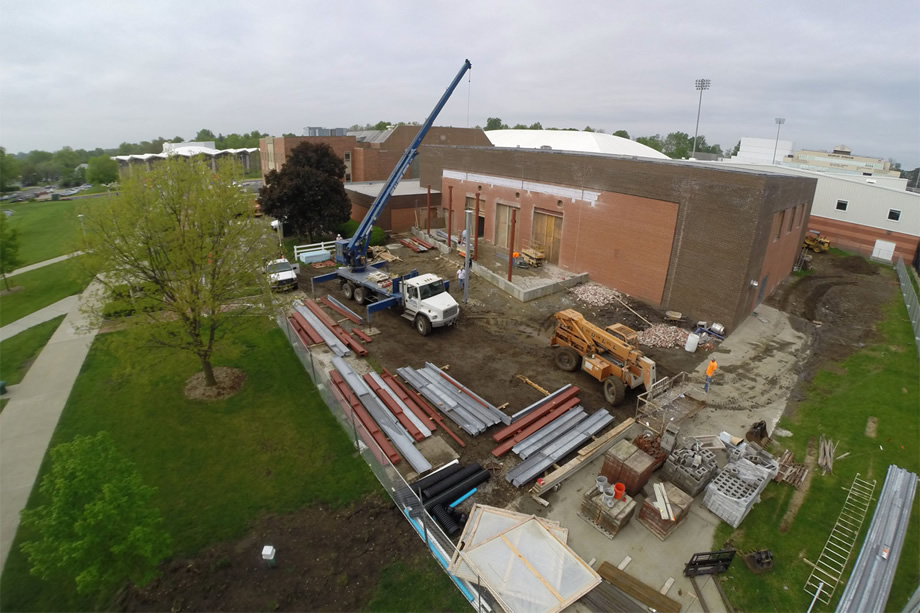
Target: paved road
<point x="31" y="416"/>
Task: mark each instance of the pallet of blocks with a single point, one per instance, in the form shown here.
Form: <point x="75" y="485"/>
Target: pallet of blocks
<point x="609" y="519"/>
<point x="665" y="511"/>
<point x="629" y="465"/>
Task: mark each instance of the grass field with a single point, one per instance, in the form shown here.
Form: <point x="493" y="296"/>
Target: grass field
<point x="880" y="381"/>
<point x="42" y="287"/>
<point x="47" y="229"/>
<point x="216" y="466"/>
<point x="18" y="352"/>
<point x="431" y="589"/>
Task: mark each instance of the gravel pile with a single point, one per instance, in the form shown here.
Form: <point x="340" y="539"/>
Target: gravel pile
<point x="663" y="335"/>
<point x="595" y="294"/>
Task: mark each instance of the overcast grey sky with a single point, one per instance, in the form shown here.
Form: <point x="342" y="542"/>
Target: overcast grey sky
<point x="94" y="74"/>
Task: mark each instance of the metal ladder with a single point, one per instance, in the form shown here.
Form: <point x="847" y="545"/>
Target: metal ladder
<point x="827" y="570"/>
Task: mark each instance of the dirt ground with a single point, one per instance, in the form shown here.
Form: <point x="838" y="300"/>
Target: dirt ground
<point x="495" y="339"/>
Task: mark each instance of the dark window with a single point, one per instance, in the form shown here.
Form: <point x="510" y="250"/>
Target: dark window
<point x="347" y="156"/>
<point x="894" y="215"/>
<point x="842" y="205"/>
<point x="791" y="219"/>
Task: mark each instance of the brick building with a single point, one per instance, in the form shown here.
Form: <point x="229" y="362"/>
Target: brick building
<point x="711" y="242"/>
<point x="370" y="155"/>
<point x="407" y="207"/>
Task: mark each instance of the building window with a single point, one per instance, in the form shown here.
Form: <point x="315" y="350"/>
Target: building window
<point x="801" y="208"/>
<point x="348" y="156"/>
<point x="347" y="177"/>
<point x="777" y="226"/>
<point x="842" y="205"/>
<point x="894" y="215"/>
<point x="791" y="219"/>
<point x="470" y="203"/>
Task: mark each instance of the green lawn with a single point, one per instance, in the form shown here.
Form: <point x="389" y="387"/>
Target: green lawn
<point x="216" y="466"/>
<point x="880" y="381"/>
<point x="18" y="352"/>
<point x="47" y="229"/>
<point x="42" y="287"/>
<point x="417" y="584"/>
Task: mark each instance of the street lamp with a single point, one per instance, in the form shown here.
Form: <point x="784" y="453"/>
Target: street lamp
<point x="779" y="124"/>
<point x="82" y="226"/>
<point x="701" y="86"/>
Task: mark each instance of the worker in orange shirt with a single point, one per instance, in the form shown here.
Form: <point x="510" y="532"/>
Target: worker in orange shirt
<point x="710" y="371"/>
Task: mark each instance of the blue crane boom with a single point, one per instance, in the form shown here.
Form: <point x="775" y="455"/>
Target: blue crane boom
<point x="353" y="252"/>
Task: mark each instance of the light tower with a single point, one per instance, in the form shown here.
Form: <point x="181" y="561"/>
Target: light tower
<point x="779" y="124"/>
<point x="701" y="86"/>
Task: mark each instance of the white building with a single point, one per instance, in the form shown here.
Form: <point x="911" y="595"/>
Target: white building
<point x="762" y="151"/>
<point x="571" y="140"/>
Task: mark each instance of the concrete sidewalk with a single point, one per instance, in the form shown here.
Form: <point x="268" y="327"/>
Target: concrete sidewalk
<point x="43" y="263"/>
<point x="61" y="307"/>
<point x="31" y="416"/>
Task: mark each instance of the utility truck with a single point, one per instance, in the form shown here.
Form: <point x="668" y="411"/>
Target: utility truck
<point x="424" y="299"/>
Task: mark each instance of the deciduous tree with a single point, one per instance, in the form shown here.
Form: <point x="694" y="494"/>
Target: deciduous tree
<point x="98" y="528"/>
<point x="187" y="230"/>
<point x="621" y="133"/>
<point x="308" y="193"/>
<point x="9" y="169"/>
<point x="9" y="249"/>
<point x="495" y="123"/>
<point x="102" y="169"/>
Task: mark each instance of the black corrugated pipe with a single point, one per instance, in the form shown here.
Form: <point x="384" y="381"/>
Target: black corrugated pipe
<point x="458" y="490"/>
<point x="434" y="478"/>
<point x="447" y="522"/>
<point x="448" y="482"/>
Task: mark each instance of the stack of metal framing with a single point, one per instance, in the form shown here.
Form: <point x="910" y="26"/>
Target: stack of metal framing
<point x="465" y="408"/>
<point x="872" y="576"/>
<point x="386" y="420"/>
<point x="553" y="449"/>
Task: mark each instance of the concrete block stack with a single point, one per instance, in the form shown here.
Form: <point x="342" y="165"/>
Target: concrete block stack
<point x="690" y="468"/>
<point x="650" y="516"/>
<point x="735" y="490"/>
<point x="629" y="465"/>
<point x="753" y="453"/>
<point x="609" y="520"/>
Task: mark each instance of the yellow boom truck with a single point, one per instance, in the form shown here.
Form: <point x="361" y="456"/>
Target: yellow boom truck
<point x="610" y="355"/>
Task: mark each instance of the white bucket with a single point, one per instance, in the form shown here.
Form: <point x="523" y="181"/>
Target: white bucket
<point x="601" y="483"/>
<point x="692" y="342"/>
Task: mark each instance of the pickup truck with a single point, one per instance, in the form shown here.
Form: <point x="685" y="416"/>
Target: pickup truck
<point x="282" y="275"/>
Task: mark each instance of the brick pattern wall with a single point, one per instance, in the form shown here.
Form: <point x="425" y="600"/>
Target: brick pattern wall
<point x="853" y="235"/>
<point x="400" y="213"/>
<point x="720" y="227"/>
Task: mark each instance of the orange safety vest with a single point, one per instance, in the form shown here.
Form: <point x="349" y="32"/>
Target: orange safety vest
<point x="712" y="368"/>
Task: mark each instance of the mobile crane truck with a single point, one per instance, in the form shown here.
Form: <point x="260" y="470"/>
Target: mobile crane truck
<point x="610" y="355"/>
<point x="423" y="298"/>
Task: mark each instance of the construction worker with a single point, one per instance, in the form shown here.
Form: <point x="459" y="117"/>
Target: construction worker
<point x="461" y="277"/>
<point x="710" y="371"/>
<point x="463" y="238"/>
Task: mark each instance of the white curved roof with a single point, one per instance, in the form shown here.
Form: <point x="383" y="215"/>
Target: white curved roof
<point x="568" y="140"/>
<point x="188" y="151"/>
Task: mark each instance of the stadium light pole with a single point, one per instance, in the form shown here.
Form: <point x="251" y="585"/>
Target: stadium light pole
<point x="779" y="124"/>
<point x="701" y="86"/>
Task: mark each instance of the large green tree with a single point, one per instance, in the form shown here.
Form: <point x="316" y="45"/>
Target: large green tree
<point x="188" y="231"/>
<point x="102" y="169"/>
<point x="495" y="123"/>
<point x="9" y="249"/>
<point x="308" y="193"/>
<point x="97" y="528"/>
<point x="9" y="169"/>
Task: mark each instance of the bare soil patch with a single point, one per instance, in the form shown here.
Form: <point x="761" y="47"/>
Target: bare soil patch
<point x="229" y="382"/>
<point x="12" y="290"/>
<point x="326" y="560"/>
<point x="871" y="427"/>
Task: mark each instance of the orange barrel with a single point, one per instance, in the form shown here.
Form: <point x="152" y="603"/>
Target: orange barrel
<point x="618" y="490"/>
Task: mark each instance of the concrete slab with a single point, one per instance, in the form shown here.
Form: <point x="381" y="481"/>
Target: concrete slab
<point x="61" y="307"/>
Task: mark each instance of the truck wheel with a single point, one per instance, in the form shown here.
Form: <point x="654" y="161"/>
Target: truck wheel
<point x="422" y="325"/>
<point x="567" y="359"/>
<point x="614" y="391"/>
<point x="348" y="288"/>
<point x="360" y="295"/>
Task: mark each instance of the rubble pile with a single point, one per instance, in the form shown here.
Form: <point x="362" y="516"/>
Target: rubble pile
<point x="594" y="294"/>
<point x="663" y="335"/>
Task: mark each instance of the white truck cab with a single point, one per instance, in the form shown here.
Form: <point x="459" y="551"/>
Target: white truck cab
<point x="428" y="304"/>
<point x="282" y="275"/>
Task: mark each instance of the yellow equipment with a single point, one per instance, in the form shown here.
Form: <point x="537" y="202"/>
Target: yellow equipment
<point x="610" y="354"/>
<point x="816" y="242"/>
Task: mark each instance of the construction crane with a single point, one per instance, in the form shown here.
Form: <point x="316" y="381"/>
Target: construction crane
<point x="424" y="298"/>
<point x="610" y="355"/>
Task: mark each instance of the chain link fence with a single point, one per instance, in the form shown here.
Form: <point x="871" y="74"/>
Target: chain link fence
<point x="439" y="544"/>
<point x="909" y="293"/>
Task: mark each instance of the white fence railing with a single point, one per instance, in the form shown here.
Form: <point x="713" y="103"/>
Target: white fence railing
<point x="910" y="300"/>
<point x="328" y="246"/>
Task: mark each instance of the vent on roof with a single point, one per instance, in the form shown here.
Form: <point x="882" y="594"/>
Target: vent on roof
<point x="545" y="147"/>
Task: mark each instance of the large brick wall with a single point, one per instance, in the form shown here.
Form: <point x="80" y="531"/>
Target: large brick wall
<point x="854" y="236"/>
<point x="400" y="213"/>
<point x="710" y="225"/>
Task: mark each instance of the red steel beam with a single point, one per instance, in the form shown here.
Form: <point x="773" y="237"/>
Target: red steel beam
<point x="364" y="337"/>
<point x="424" y="244"/>
<point x="340" y="310"/>
<point x="462" y="390"/>
<point x="536" y="414"/>
<point x="301" y="322"/>
<point x="395" y="409"/>
<point x="408" y="401"/>
<point x="365" y="435"/>
<point x="520" y="436"/>
<point x="335" y="328"/>
<point x="420" y="402"/>
<point x="366" y="420"/>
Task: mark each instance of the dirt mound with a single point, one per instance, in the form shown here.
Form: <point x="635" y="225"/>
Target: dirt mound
<point x="229" y="382"/>
<point x="858" y="265"/>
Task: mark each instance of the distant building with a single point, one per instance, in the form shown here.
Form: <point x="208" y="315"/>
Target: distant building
<point x="369" y="155"/>
<point x="574" y="141"/>
<point x="840" y="160"/>
<point x="248" y="157"/>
